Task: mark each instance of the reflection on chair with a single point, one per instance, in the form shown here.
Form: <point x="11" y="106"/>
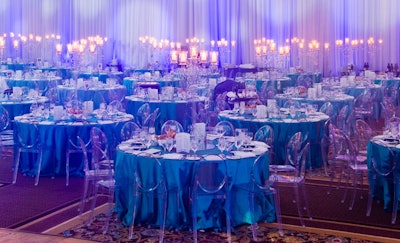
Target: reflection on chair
<point x="74" y="147"/>
<point x="30" y="145"/>
<point x="266" y="134"/>
<point x="225" y="128"/>
<point x="363" y="133"/>
<point x="296" y="179"/>
<point x="6" y="135"/>
<point x="384" y="171"/>
<point x="100" y="165"/>
<point x="171" y="127"/>
<point x="153" y="186"/>
<point x="143" y="114"/>
<point x="211" y="179"/>
<point x="129" y="130"/>
<point x="259" y="185"/>
<point x="328" y="109"/>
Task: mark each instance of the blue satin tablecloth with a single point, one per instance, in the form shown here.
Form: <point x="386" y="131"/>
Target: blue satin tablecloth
<point x="180" y="110"/>
<point x="20" y="107"/>
<point x="54" y="137"/>
<point x="378" y="149"/>
<point x="129" y="83"/>
<point x="41" y="84"/>
<point x="284" y="129"/>
<point x="279" y="83"/>
<point x="109" y="93"/>
<point x="102" y="76"/>
<point x="337" y="101"/>
<point x="179" y="173"/>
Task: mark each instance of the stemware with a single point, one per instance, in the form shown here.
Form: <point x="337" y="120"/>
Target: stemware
<point x="169" y="144"/>
<point x="222" y="144"/>
<point x="239" y="137"/>
<point x="194" y="145"/>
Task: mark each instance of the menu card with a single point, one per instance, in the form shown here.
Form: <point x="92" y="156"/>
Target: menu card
<point x="182" y="142"/>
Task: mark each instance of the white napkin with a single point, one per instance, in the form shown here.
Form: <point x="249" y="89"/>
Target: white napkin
<point x="173" y="156"/>
<point x="212" y="157"/>
<point x="243" y="154"/>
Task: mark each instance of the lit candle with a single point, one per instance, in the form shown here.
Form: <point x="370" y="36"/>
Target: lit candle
<point x="346" y="41"/>
<point x="301" y="45"/>
<point x="280" y="51"/>
<point x="258" y="50"/>
<point x="361" y="41"/>
<point x="69" y="48"/>
<point x="380" y="41"/>
<point x="203" y="56"/>
<point x="214" y="57"/>
<point x="174" y="56"/>
<point x="233" y="43"/>
<point x="212" y="43"/>
<point x="183" y="57"/>
<point x="193" y="52"/>
<point x="287" y="50"/>
<point x="38" y="38"/>
<point x="30" y="36"/>
<point x="326" y="45"/>
<point x="172" y="45"/>
<point x="58" y="49"/>
<point x="15" y="44"/>
<point x="92" y="48"/>
<point x="178" y="46"/>
<point x="81" y="48"/>
<point x="264" y="49"/>
<point x="273" y="47"/>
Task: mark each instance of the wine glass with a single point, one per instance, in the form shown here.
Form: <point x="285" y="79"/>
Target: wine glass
<point x="239" y="138"/>
<point x="194" y="145"/>
<point x="221" y="144"/>
<point x="169" y="144"/>
<point x="292" y="111"/>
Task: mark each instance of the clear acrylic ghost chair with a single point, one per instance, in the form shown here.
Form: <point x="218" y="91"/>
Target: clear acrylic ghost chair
<point x="74" y="148"/>
<point x="129" y="130"/>
<point x="386" y="171"/>
<point x="259" y="185"/>
<point x="293" y="148"/>
<point x="211" y="179"/>
<point x="295" y="179"/>
<point x="143" y="114"/>
<point x="225" y="128"/>
<point x="171" y="126"/>
<point x="342" y="119"/>
<point x="356" y="169"/>
<point x="329" y="110"/>
<point x="363" y="134"/>
<point x="6" y="134"/>
<point x="266" y="134"/>
<point x="388" y="111"/>
<point x="268" y="91"/>
<point x="99" y="167"/>
<point x="116" y="106"/>
<point x="153" y="186"/>
<point x="30" y="145"/>
<point x="104" y="180"/>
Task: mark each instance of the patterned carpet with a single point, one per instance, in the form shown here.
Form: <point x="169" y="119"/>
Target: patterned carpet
<point x="119" y="233"/>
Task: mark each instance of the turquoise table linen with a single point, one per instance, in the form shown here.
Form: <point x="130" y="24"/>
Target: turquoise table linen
<point x="41" y="84"/>
<point x="284" y="129"/>
<point x="384" y="187"/>
<point x="107" y="92"/>
<point x="20" y="107"/>
<point x="179" y="173"/>
<point x="54" y="138"/>
<point x="129" y="83"/>
<point x="103" y="76"/>
<point x="337" y="101"/>
<point x="180" y="110"/>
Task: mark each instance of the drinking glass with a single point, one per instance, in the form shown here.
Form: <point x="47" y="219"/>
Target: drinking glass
<point x="221" y="144"/>
<point x="239" y="138"/>
<point x="169" y="144"/>
<point x="194" y="145"/>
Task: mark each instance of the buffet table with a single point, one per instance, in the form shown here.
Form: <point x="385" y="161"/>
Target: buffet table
<point x="179" y="172"/>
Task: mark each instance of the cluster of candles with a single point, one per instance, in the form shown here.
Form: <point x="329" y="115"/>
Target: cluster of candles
<point x="90" y="43"/>
<point x="203" y="56"/>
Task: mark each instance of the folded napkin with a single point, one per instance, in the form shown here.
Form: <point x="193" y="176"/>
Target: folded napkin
<point x="212" y="157"/>
<point x="243" y="154"/>
<point x="152" y="151"/>
<point x="173" y="156"/>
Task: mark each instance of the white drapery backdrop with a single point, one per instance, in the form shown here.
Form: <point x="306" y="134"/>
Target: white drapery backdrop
<point x="124" y="21"/>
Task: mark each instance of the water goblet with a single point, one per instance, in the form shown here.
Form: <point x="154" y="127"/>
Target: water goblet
<point x="169" y="144"/>
<point x="194" y="145"/>
<point x="221" y="144"/>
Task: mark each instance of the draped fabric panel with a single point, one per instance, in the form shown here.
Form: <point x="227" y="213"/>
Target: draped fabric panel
<point x="124" y="21"/>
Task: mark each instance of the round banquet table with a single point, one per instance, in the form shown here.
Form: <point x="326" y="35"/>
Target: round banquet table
<point x="54" y="138"/>
<point x="179" y="171"/>
<point x="17" y="107"/>
<point x="107" y="92"/>
<point x="130" y="83"/>
<point x="378" y="148"/>
<point x="338" y="101"/>
<point x="103" y="76"/>
<point x="284" y="129"/>
<point x="63" y="72"/>
<point x="278" y="83"/>
<point x="41" y="84"/>
<point x="180" y="110"/>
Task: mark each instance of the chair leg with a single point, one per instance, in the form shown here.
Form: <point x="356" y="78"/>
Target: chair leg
<point x="110" y="209"/>
<point x="96" y="189"/>
<point x="133" y="216"/>
<point x="67" y="169"/>
<point x="253" y="221"/>
<point x="306" y="201"/>
<point x="84" y="196"/>
<point x="299" y="209"/>
<point x="228" y="216"/>
<point x="38" y="168"/>
<point x="16" y="166"/>
<point x="275" y="194"/>
<point x="395" y="201"/>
